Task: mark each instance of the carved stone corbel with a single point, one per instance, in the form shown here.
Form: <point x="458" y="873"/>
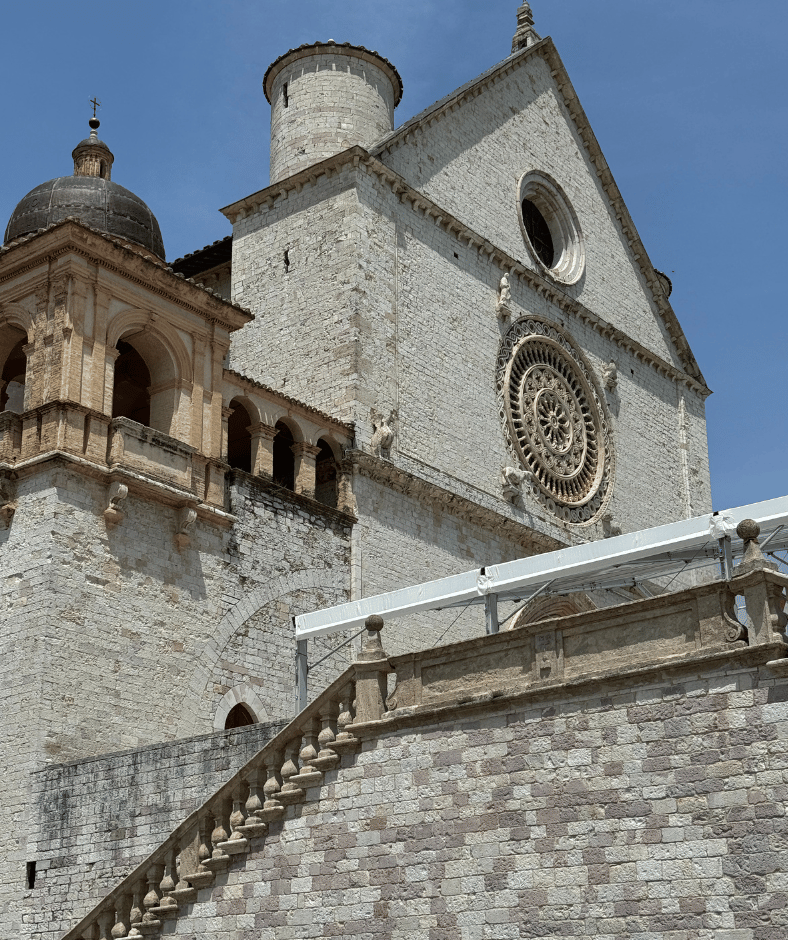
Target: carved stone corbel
<point x="609" y="529"/>
<point x="116" y="494"/>
<point x="186" y="518"/>
<point x="7" y="502"/>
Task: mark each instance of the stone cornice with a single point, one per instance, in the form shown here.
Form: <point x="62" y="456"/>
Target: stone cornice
<point x="629" y="676"/>
<point x="547" y="50"/>
<point x="241" y="381"/>
<point x="358" y="157"/>
<point x="402" y="481"/>
<point x="543" y="286"/>
<point x="113" y="255"/>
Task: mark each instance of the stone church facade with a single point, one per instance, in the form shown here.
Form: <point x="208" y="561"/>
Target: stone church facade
<point x="423" y="349"/>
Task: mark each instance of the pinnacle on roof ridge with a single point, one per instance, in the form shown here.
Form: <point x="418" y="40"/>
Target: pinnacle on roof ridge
<point x="526" y="35"/>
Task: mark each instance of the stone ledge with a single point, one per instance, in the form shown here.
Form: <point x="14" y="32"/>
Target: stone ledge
<point x="433" y="713"/>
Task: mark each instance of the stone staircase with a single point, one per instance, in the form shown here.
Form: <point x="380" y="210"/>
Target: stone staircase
<point x="223" y="829"/>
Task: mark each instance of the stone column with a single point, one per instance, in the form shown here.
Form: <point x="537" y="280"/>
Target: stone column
<point x="371" y="669"/>
<point x="345" y="500"/>
<point x="263" y="450"/>
<point x="226" y="412"/>
<point x="304" y="470"/>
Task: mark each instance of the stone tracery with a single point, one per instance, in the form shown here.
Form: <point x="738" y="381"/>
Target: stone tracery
<point x="554" y="419"/>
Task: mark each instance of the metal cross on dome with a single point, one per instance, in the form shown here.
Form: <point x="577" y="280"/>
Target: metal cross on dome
<point x="96" y="104"/>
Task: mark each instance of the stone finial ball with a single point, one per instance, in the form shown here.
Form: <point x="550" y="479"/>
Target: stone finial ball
<point x="374" y="622"/>
<point x="748" y="529"/>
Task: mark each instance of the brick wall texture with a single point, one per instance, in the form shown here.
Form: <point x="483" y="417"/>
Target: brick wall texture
<point x="650" y="810"/>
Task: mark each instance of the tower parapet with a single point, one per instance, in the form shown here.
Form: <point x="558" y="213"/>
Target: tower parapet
<point x="326" y="97"/>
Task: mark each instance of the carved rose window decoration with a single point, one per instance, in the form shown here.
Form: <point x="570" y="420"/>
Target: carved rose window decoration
<point x="555" y="420"/>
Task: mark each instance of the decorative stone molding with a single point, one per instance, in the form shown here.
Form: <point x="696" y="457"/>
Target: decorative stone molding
<point x="116" y="494"/>
<point x="552" y="202"/>
<point x="382" y="433"/>
<point x="402" y="481"/>
<point x="241" y="694"/>
<point x="555" y="420"/>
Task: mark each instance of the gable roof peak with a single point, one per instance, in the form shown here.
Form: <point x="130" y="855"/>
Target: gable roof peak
<point x="526" y="35"/>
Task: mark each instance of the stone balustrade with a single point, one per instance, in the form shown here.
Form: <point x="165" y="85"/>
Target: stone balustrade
<point x="673" y="631"/>
<point x="205" y="844"/>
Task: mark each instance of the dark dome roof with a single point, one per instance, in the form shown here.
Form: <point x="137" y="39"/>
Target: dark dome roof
<point x="97" y="202"/>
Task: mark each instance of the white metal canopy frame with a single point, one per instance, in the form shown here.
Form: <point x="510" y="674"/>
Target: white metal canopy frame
<point x="622" y="561"/>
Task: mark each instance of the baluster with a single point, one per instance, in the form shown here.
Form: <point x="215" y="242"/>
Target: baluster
<point x="122" y="918"/>
<point x="291" y="792"/>
<point x="137" y="910"/>
<point x="105" y="920"/>
<point x="253" y="827"/>
<point x="219" y="858"/>
<point x="168" y="905"/>
<point x="183" y="892"/>
<point x="309" y="775"/>
<point x="272" y="808"/>
<point x="346" y="740"/>
<point x="202" y="876"/>
<point x="327" y="757"/>
<point x="150" y="924"/>
<point x="237" y="842"/>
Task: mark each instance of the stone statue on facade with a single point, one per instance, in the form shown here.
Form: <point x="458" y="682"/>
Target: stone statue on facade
<point x="610" y="376"/>
<point x="512" y="480"/>
<point x="504" y="305"/>
<point x="382" y="433"/>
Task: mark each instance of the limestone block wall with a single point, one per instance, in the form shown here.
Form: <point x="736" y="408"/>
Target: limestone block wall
<point x="115" y="638"/>
<point x="296" y="265"/>
<point x="325" y="99"/>
<point x="649" y="805"/>
<point x="470" y="161"/>
<point x="440" y="353"/>
<point x="92" y="821"/>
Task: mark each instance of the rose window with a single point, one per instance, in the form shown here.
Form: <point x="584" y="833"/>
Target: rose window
<point x="554" y="419"/>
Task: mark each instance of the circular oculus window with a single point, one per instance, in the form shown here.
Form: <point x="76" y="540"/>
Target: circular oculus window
<point x="554" y="420"/>
<point x="550" y="227"/>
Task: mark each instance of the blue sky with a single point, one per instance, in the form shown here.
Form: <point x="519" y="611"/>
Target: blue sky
<point x="687" y="98"/>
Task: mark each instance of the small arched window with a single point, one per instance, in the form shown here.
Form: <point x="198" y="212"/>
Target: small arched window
<point x="239" y="438"/>
<point x="131" y="394"/>
<point x="326" y="476"/>
<point x="284" y="459"/>
<point x="239" y="716"/>
<point x="12" y="379"/>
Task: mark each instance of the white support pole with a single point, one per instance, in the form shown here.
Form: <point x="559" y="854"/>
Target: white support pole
<point x="302" y="671"/>
<point x="491" y="613"/>
<point x="726" y="558"/>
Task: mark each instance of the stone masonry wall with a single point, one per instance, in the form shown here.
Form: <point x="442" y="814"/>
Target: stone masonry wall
<point x="94" y="821"/>
<point x="113" y="638"/>
<point x="646" y="808"/>
<point x="471" y="160"/>
<point x="441" y="351"/>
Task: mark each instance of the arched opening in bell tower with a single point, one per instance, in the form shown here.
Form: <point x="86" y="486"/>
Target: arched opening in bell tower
<point x="239" y="438"/>
<point x="131" y="393"/>
<point x="326" y="475"/>
<point x="284" y="458"/>
<point x="13" y="375"/>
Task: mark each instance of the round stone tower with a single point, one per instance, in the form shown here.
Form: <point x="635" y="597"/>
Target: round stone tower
<point x="326" y="97"/>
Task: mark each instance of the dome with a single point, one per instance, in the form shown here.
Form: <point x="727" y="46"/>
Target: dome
<point x="97" y="202"/>
<point x="90" y="196"/>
